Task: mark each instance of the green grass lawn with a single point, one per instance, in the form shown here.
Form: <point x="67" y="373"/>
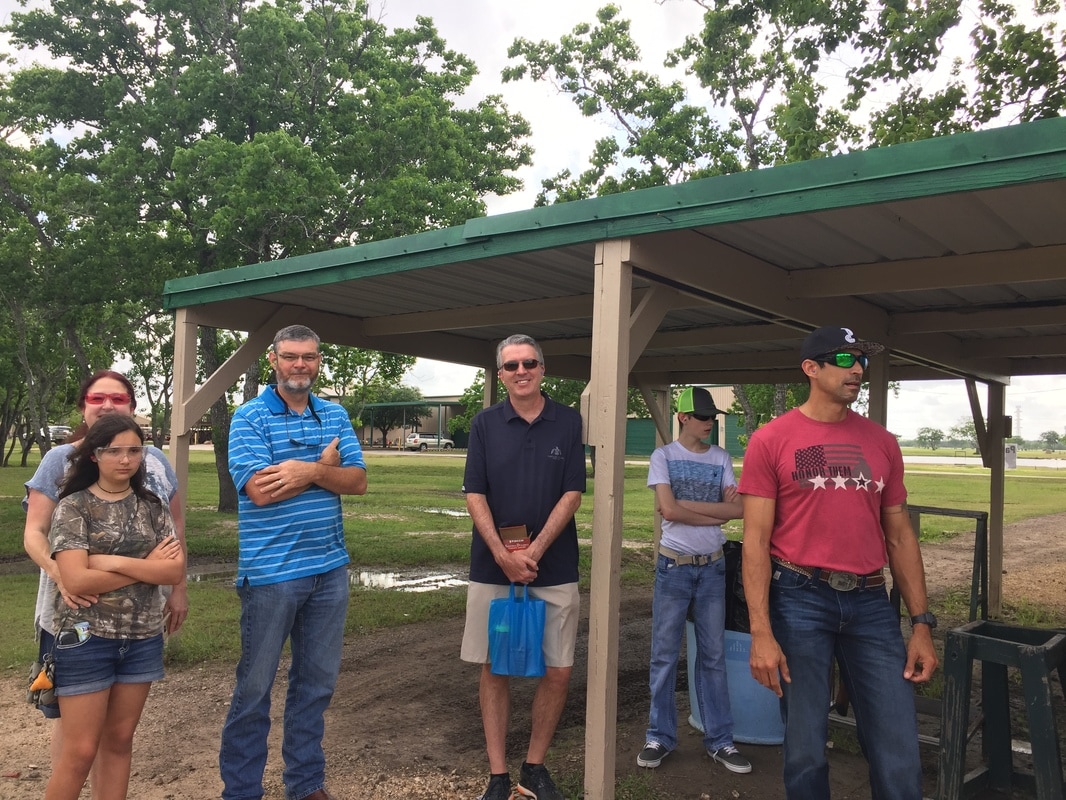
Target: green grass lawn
<point x="403" y="523"/>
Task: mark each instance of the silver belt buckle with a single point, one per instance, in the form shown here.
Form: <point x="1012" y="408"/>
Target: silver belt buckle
<point x="843" y="581"/>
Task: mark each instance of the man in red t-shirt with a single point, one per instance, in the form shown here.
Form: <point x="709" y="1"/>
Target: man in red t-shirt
<point x="824" y="511"/>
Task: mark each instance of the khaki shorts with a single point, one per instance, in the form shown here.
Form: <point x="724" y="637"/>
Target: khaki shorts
<point x="562" y="610"/>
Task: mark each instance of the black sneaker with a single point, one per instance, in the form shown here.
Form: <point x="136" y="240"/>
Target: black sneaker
<point x="535" y="783"/>
<point x="499" y="789"/>
<point x="730" y="758"/>
<point x="652" y="755"/>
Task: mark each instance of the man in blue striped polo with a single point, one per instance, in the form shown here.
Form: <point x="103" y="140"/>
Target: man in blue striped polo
<point x="292" y="455"/>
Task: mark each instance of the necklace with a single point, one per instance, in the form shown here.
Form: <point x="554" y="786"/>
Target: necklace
<point x="108" y="491"/>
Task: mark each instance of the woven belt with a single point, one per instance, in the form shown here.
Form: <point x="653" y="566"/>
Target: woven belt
<point x="841" y="581"/>
<point x="697" y="561"/>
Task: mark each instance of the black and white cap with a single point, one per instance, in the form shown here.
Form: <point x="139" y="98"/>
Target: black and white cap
<point x="833" y="338"/>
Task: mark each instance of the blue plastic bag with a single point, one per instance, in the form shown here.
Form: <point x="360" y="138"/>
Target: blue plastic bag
<point x="516" y="635"/>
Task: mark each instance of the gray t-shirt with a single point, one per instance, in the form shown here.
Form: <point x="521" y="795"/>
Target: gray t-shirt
<point x="130" y="527"/>
<point x="160" y="479"/>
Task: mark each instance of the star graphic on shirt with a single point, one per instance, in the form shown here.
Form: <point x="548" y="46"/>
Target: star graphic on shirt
<point x="862" y="482"/>
<point x="840" y="481"/>
<point x="880" y="484"/>
<point x="818" y="481"/>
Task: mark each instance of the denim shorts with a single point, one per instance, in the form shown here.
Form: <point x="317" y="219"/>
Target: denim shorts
<point x="97" y="663"/>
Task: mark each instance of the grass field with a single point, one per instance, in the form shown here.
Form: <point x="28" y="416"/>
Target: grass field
<point x="412" y="518"/>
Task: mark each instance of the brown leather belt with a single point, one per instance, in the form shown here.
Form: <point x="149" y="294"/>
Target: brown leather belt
<point x="837" y="579"/>
<point x="698" y="561"/>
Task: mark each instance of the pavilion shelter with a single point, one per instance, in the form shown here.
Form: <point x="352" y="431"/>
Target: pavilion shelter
<point x="950" y="251"/>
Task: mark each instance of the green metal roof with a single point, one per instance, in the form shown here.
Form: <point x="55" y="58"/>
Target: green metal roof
<point x="960" y="163"/>
<point x="952" y="249"/>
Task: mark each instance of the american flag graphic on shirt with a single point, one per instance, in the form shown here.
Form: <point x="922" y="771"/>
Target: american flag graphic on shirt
<point x="840" y="466"/>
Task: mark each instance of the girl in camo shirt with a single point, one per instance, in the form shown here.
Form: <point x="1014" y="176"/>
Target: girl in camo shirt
<point x="111" y="538"/>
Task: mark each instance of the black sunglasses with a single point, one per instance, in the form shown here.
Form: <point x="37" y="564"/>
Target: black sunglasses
<point x="702" y="417"/>
<point x="845" y="360"/>
<point x="527" y="363"/>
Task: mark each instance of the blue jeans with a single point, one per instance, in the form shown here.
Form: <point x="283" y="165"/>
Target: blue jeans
<point x="813" y="623"/>
<point x="311" y="612"/>
<point x="679" y="590"/>
<point x="97" y="663"/>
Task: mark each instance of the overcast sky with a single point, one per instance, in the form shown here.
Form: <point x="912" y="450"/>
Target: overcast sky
<point x="483" y="30"/>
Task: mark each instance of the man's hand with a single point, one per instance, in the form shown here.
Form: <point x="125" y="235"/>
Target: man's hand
<point x="518" y="566"/>
<point x="921" y="655"/>
<point x="289" y="477"/>
<point x="331" y="455"/>
<point x="177" y="607"/>
<point x="76" y="601"/>
<point x="71" y="601"/>
<point x="169" y="548"/>
<point x="768" y="664"/>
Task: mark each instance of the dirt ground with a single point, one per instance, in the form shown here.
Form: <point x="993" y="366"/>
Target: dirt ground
<point x="405" y="723"/>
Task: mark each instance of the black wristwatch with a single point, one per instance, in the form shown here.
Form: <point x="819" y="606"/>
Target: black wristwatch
<point x="928" y="618"/>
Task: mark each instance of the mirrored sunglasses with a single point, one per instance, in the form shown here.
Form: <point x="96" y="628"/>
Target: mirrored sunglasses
<point x="845" y="360"/>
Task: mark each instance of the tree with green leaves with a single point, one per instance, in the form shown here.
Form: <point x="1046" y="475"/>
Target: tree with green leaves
<point x="1050" y="440"/>
<point x="758" y="403"/>
<point x="152" y="356"/>
<point x="930" y="437"/>
<point x="396" y="407"/>
<point x="791" y="81"/>
<point x="795" y="81"/>
<point x="473" y="400"/>
<point x="200" y="136"/>
<point x="360" y="376"/>
<point x="964" y="432"/>
<point x="58" y="323"/>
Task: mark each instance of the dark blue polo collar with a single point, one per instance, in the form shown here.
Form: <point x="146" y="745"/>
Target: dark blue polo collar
<point x="548" y="412"/>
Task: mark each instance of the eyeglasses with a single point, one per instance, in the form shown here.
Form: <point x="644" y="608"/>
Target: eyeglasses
<point x="116" y="398"/>
<point x="845" y="360"/>
<point x="527" y="363"/>
<point x="292" y="358"/>
<point x="304" y="440"/>
<point x="115" y="453"/>
<point x="702" y="417"/>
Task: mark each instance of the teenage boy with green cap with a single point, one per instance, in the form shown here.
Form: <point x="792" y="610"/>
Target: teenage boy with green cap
<point x="695" y="492"/>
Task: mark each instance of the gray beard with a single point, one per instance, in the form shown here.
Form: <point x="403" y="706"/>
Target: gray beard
<point x="292" y="388"/>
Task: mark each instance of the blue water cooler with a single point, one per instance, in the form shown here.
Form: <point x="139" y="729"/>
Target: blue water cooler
<point x="756" y="710"/>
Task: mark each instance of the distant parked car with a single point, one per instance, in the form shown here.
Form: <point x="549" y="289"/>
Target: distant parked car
<point x="424" y="441"/>
<point x="56" y="433"/>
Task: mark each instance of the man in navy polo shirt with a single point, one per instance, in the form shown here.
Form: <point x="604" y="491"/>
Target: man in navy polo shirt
<point x="525" y="467"/>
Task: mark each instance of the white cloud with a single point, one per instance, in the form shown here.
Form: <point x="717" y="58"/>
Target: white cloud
<point x="440" y="378"/>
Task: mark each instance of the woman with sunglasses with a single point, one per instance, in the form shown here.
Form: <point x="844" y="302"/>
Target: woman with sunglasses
<point x="112" y="539"/>
<point x="104" y="393"/>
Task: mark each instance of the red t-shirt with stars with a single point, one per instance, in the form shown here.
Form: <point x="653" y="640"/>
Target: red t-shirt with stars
<point x="830" y="481"/>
